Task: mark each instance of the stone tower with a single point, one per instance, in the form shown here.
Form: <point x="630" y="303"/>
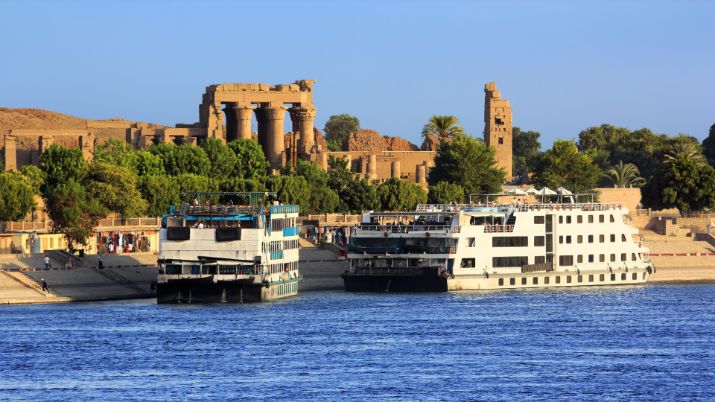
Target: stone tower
<point x="497" y="126"/>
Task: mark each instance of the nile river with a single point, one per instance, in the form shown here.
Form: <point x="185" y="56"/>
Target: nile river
<point x="654" y="342"/>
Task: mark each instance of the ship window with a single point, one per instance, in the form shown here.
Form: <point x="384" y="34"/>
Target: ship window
<point x="613" y="238"/>
<point x="579" y="278"/>
<point x="613" y="277"/>
<point x="634" y="276"/>
<point x="568" y="219"/>
<point x="590" y="258"/>
<point x="590" y="278"/>
<point x="467" y="263"/>
<point x="512" y="281"/>
<point x="590" y="238"/>
<point x="590" y="219"/>
<point x="602" y="258"/>
<point x="579" y="239"/>
<point x="633" y="257"/>
<point x="623" y="256"/>
<point x="601" y="218"/>
<point x="568" y="239"/>
<point x="623" y="277"/>
<point x="566" y="260"/>
<point x="561" y="239"/>
<point x="568" y="279"/>
<point x="523" y="281"/>
<point x="538" y="241"/>
<point x="558" y="279"/>
<point x="546" y="280"/>
<point x="601" y="238"/>
<point x="539" y="259"/>
<point x="602" y="277"/>
<point x="501" y="281"/>
<point x="509" y="261"/>
<point x="579" y="258"/>
<point x="510" y="241"/>
<point x="623" y="237"/>
<point x="613" y="219"/>
<point x="613" y="258"/>
<point x="579" y="219"/>
<point x="539" y="220"/>
<point x="471" y="242"/>
<point x="561" y="219"/>
<point x="535" y="281"/>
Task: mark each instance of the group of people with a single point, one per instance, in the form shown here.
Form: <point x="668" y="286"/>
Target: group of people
<point x="337" y="236"/>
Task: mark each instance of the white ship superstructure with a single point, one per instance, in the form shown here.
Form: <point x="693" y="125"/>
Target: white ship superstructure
<point x="225" y="252"/>
<point x="462" y="247"/>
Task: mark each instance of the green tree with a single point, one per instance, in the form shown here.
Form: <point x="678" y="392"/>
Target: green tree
<point x="251" y="161"/>
<point x="160" y="192"/>
<point x="445" y="193"/>
<point x="337" y="129"/>
<point x="685" y="183"/>
<point x="709" y="146"/>
<point x="469" y="163"/>
<point x="563" y="165"/>
<point x="73" y="212"/>
<point x="625" y="175"/>
<point x="525" y="148"/>
<point x="145" y="163"/>
<point x="322" y="198"/>
<point x="355" y="195"/>
<point x="16" y="197"/>
<point x="223" y="159"/>
<point x="189" y="182"/>
<point x="34" y="176"/>
<point x="115" y="187"/>
<point x="113" y="151"/>
<point x="398" y="195"/>
<point x="443" y="127"/>
<point x="292" y="190"/>
<point x="234" y="184"/>
<point x="180" y="159"/>
<point x="61" y="164"/>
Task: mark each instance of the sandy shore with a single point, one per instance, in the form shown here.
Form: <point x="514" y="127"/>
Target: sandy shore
<point x="683" y="269"/>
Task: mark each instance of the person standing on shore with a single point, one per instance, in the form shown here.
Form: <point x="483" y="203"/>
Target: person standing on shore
<point x="100" y="265"/>
<point x="47" y="262"/>
<point x="43" y="284"/>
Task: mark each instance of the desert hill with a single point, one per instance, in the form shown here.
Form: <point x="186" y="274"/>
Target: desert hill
<point x="23" y="118"/>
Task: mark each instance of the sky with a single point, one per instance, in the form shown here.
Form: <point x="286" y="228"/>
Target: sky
<point x="563" y="65"/>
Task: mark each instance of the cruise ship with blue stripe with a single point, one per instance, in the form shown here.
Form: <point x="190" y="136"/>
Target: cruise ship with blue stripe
<point x="228" y="247"/>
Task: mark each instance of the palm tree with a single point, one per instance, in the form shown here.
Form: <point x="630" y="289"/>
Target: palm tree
<point x="685" y="150"/>
<point x="442" y="127"/>
<point x="625" y="175"/>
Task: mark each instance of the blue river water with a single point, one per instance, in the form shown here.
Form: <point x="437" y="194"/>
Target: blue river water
<point x="653" y="342"/>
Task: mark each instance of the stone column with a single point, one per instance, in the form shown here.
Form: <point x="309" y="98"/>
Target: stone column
<point x="372" y="167"/>
<point x="395" y="169"/>
<point x="244" y="115"/>
<point x="275" y="145"/>
<point x="10" y="144"/>
<point x="231" y="122"/>
<point x="306" y="119"/>
<point x="421" y="175"/>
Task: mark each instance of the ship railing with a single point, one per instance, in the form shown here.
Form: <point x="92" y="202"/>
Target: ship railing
<point x="218" y="209"/>
<point x="410" y="228"/>
<point x="207" y="271"/>
<point x="498" y="228"/>
<point x="539" y="267"/>
<point x="589" y="206"/>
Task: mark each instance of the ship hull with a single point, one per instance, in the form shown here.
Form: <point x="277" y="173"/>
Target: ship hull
<point x="205" y="290"/>
<point x="434" y="283"/>
<point x="426" y="281"/>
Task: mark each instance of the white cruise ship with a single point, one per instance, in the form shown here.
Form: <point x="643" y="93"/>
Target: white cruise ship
<point x="228" y="248"/>
<point x="465" y="247"/>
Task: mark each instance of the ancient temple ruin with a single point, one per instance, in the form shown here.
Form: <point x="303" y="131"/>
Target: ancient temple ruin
<point x="497" y="126"/>
<point x="236" y="103"/>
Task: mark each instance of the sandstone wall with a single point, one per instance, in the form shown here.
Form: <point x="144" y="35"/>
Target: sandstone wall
<point x="408" y="162"/>
<point x="628" y="197"/>
<point x="371" y="140"/>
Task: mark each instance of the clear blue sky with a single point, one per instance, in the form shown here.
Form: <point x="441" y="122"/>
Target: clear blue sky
<point x="564" y="65"/>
